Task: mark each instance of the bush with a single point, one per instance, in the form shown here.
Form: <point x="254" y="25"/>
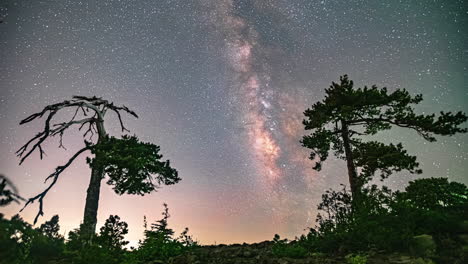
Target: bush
<point x="21" y="243"/>
<point x="281" y="248"/>
<point x="159" y="242"/>
<point x="356" y="259"/>
<point x="387" y="220"/>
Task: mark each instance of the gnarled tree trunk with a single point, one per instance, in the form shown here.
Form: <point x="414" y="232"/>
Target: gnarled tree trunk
<point x="88" y="227"/>
<point x="92" y="202"/>
<point x="352" y="173"/>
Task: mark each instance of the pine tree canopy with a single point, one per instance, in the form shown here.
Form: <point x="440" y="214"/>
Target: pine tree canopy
<point x="347" y="114"/>
<point x="133" y="167"/>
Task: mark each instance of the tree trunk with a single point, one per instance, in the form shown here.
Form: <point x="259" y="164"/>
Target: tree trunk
<point x="352" y="174"/>
<point x="92" y="198"/>
<point x="92" y="202"/>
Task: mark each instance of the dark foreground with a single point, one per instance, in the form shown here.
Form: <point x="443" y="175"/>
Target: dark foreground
<point x="261" y="253"/>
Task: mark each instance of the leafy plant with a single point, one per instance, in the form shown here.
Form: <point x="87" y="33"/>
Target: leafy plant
<point x="356" y="259"/>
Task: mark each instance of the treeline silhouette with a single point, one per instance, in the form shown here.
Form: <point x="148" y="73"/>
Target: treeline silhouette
<point x="21" y="243"/>
<point x="426" y="220"/>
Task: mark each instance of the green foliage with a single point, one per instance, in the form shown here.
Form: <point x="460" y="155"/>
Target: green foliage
<point x="92" y="253"/>
<point x="160" y="227"/>
<point x="159" y="242"/>
<point x="51" y="228"/>
<point x="133" y="167"/>
<point x="356" y="259"/>
<point x="107" y="247"/>
<point x="75" y="240"/>
<point x="281" y="248"/>
<point x="374" y="156"/>
<point x="435" y="193"/>
<point x="347" y="113"/>
<point x="21" y="244"/>
<point x="423" y="246"/>
<point x="15" y="240"/>
<point x="186" y="240"/>
<point x="390" y="221"/>
<point x="111" y="235"/>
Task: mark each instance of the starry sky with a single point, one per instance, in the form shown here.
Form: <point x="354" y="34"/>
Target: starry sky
<point x="221" y="86"/>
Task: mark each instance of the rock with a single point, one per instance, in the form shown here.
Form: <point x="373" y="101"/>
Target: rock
<point x="423" y="246"/>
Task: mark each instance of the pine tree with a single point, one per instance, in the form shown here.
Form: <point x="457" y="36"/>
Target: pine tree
<point x="347" y="114"/>
<point x="51" y="228"/>
<point x="161" y="226"/>
<point x="111" y="235"/>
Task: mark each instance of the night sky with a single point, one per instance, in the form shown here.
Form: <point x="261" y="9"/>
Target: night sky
<point x="221" y="86"/>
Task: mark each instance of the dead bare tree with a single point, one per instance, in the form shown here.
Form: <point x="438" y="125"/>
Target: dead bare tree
<point x="88" y="116"/>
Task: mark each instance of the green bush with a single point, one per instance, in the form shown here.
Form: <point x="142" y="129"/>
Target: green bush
<point x="356" y="259"/>
<point x="20" y="243"/>
<point x="387" y="220"/>
<point x="159" y="242"/>
<point x="281" y="248"/>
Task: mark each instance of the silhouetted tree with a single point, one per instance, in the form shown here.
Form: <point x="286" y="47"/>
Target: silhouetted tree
<point x="161" y="226"/>
<point x="51" y="228"/>
<point x="132" y="166"/>
<point x="185" y="239"/>
<point x="347" y="113"/>
<point x="159" y="242"/>
<point x="112" y="233"/>
<point x="435" y="193"/>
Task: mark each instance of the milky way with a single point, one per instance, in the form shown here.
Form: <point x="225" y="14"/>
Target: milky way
<point x="241" y="44"/>
<point x="221" y="86"/>
<point x="266" y="112"/>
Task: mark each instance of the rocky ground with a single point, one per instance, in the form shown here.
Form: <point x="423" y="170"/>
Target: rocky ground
<point x="260" y="253"/>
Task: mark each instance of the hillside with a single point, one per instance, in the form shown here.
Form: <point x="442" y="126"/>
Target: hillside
<point x="261" y="253"/>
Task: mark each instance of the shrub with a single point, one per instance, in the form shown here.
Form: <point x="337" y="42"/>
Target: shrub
<point x="356" y="259"/>
<point x="281" y="248"/>
<point x="159" y="242"/>
<point x="389" y="220"/>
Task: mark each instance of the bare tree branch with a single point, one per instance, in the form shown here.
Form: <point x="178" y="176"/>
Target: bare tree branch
<point x="60" y="127"/>
<point x="54" y="176"/>
<point x="94" y="125"/>
<point x="80" y="102"/>
<point x="40" y="137"/>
